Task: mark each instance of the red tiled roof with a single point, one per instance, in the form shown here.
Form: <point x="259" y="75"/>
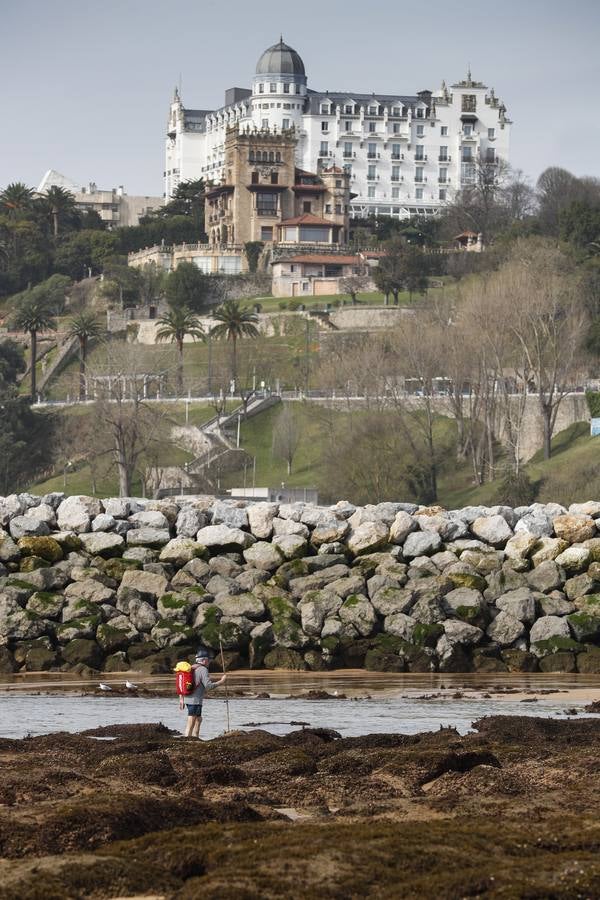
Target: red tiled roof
<point x="466" y="234"/>
<point x="325" y="258"/>
<point x="308" y="219"/>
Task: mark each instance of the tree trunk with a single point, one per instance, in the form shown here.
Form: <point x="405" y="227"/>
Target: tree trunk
<point x="122" y="466"/>
<point x="546" y="416"/>
<point x="234" y="359"/>
<point x="55" y="222"/>
<point x="82" y="350"/>
<point x="180" y="368"/>
<point x="289" y="466"/>
<point x="33" y="335"/>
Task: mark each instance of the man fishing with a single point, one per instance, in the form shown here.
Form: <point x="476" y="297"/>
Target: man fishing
<point x="193" y="700"/>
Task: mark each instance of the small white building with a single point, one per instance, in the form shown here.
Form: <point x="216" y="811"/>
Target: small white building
<point x="406" y="154"/>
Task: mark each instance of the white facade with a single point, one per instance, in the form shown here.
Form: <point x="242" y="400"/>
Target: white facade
<point x="407" y="155"/>
<point x="115" y="207"/>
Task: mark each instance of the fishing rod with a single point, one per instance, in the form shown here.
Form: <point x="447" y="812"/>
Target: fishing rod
<point x="226" y="688"/>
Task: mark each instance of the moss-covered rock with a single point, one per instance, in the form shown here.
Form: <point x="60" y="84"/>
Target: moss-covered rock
<point x="555" y="644"/>
<point x="588" y="663"/>
<point x="112" y="638"/>
<point x="558" y="662"/>
<point x="167" y="633"/>
<point x="386" y="654"/>
<point x="487" y="661"/>
<point x="41" y="659"/>
<point x="468" y="580"/>
<point x="427" y="635"/>
<point x="32" y="563"/>
<point x="141" y="651"/>
<point x="77" y="628"/>
<point x="584" y="627"/>
<point x="519" y="660"/>
<point x="116" y="662"/>
<point x="45" y="604"/>
<point x="83" y="652"/>
<point x="284" y="658"/>
<point x="7" y="661"/>
<point x="116" y="567"/>
<point x="44" y="547"/>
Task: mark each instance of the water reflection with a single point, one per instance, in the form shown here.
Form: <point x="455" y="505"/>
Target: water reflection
<point x="377" y="702"/>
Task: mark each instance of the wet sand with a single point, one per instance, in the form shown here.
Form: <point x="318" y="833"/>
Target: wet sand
<point x="507" y="811"/>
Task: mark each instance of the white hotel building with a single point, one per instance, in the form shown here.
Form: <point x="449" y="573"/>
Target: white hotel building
<point x="406" y="155"/>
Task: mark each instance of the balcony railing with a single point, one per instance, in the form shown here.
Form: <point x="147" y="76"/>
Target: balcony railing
<point x="421" y="158"/>
<point x="397" y="155"/>
<point x="373" y="156"/>
<point x="444" y="158"/>
<point x="266" y="211"/>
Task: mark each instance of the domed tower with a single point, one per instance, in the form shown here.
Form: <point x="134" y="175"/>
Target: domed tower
<point x="279" y="88"/>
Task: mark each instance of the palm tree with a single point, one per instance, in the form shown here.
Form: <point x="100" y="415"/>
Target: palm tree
<point x="60" y="204"/>
<point x="174" y="326"/>
<point x="16" y="198"/>
<point x="83" y="326"/>
<point x="32" y="316"/>
<point x="235" y="322"/>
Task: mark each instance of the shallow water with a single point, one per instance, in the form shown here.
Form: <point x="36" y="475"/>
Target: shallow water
<point x="376" y="702"/>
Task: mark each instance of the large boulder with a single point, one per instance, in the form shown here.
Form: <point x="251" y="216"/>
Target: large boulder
<point x="83" y="651"/>
<point x="548" y="634"/>
<point x="368" y="537"/>
<point x="140" y="585"/>
<point x="245" y="604"/>
<point x="43" y="547"/>
<point x="10" y="507"/>
<point x="76" y="513"/>
<point x="494" y="530"/>
<point x="458" y="632"/>
<point x="100" y="543"/>
<point x="546" y="577"/>
<point x="357" y="611"/>
<point x="329" y="531"/>
<point x="283" y="658"/>
<point x="547" y="548"/>
<point x="90" y="589"/>
<point x="521" y="545"/>
<point x="390" y="600"/>
<point x="584" y="627"/>
<point x="9" y="550"/>
<point x="505" y="629"/>
<point x="18" y="624"/>
<point x="142" y="615"/>
<point x="230" y="514"/>
<point x="224" y="536"/>
<point x="400" y="625"/>
<point x="21" y="526"/>
<point x="46" y="605"/>
<point x="464" y="603"/>
<point x="574" y="529"/>
<point x="315" y="607"/>
<point x="173" y="608"/>
<point x="145" y="536"/>
<point x="264" y="555"/>
<point x="181" y="550"/>
<point x="574" y="559"/>
<point x="520" y="604"/>
<point x="260" y="519"/>
<point x="421" y="543"/>
<point x="401" y="527"/>
<point x="149" y="518"/>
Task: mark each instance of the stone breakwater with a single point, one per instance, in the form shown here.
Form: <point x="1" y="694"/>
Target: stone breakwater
<point x="117" y="584"/>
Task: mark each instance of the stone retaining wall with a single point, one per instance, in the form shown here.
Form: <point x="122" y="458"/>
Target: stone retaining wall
<point x="117" y="584"/>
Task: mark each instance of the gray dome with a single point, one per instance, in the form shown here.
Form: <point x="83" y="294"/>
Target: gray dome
<point x="280" y="60"/>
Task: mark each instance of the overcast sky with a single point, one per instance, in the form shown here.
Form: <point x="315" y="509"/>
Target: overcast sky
<point x="86" y="84"/>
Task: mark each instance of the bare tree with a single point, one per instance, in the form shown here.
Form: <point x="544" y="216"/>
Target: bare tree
<point x="287" y="434"/>
<point x="127" y="424"/>
<point x="549" y="323"/>
<point x="353" y="285"/>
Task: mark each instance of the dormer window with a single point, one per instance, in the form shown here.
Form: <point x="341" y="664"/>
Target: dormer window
<point x="372" y="110"/>
<point x="396" y="111"/>
<point x="325" y="109"/>
<point x="420" y="113"/>
<point x="348" y="109"/>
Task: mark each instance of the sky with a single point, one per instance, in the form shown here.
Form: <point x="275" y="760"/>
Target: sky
<point x="86" y="84"/>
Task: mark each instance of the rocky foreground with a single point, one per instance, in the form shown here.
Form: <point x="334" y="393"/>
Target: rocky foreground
<point x="118" y="584"/>
<point x="509" y="812"/>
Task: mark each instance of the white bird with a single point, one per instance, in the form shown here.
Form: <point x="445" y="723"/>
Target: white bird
<point x="104" y="687"/>
<point x="130" y="686"/>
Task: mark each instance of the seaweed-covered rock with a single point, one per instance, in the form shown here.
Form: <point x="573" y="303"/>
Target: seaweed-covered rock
<point x="283" y="658"/>
<point x="82" y="652"/>
<point x="116" y="634"/>
<point x="464" y="603"/>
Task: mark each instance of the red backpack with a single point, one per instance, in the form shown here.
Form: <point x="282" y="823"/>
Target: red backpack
<point x="184" y="679"/>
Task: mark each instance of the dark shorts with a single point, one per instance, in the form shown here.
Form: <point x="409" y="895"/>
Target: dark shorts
<point x="194" y="709"/>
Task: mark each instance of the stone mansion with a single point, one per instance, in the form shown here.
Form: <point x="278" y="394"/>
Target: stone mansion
<point x="404" y="155"/>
